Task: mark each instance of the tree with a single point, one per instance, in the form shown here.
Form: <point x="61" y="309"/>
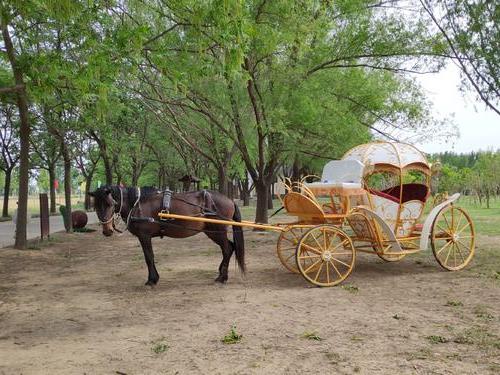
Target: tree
<point x="7" y="15"/>
<point x="472" y="32"/>
<point x="9" y="142"/>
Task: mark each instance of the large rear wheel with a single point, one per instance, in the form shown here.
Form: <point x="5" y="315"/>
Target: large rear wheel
<point x="452" y="238"/>
<point x="325" y="255"/>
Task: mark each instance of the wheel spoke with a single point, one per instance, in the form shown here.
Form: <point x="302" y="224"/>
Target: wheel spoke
<point x="444" y="247"/>
<point x="319" y="271"/>
<point x="467" y="248"/>
<point x="459" y="220"/>
<point x="315" y="239"/>
<point x="290" y="240"/>
<point x="445" y="219"/>
<point x="343" y="243"/>
<point x="311" y="266"/>
<point x="335" y="268"/>
<point x="312" y="249"/>
<point x="288" y="258"/>
<point x="461" y="230"/>
<point x="460" y="253"/>
<point x="442" y="229"/>
<point x="332" y="241"/>
<point x="345" y="264"/>
<point x="448" y="255"/>
<point x="324" y="239"/>
<point x="327" y="274"/>
<point x="308" y="256"/>
<point x="455" y="253"/>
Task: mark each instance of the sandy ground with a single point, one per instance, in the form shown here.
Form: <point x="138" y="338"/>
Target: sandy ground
<point x="79" y="306"/>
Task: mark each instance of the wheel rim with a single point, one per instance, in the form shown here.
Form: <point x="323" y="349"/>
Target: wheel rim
<point x="389" y="257"/>
<point x="287" y="243"/>
<point x="325" y="255"/>
<point x="452" y="238"/>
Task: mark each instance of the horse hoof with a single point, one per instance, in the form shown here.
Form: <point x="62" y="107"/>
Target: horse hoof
<point x="221" y="279"/>
<point x="150" y="283"/>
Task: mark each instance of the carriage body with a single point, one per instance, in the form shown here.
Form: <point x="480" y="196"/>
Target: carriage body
<point x="372" y="200"/>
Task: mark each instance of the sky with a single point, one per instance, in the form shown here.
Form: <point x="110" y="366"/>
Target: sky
<point x="478" y="126"/>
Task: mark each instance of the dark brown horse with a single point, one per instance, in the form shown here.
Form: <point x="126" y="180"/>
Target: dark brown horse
<point x="139" y="208"/>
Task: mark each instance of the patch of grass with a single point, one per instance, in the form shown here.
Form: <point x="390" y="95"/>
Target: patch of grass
<point x="83" y="230"/>
<point x="435" y="339"/>
<point x="478" y="336"/>
<point x="356" y="338"/>
<point x="333" y="357"/>
<point x="5" y="218"/>
<point x="312" y="335"/>
<point x="350" y="288"/>
<point x="159" y="346"/>
<point x="423" y="353"/>
<point x="232" y="337"/>
<point x="482" y="312"/>
<point x="454" y="303"/>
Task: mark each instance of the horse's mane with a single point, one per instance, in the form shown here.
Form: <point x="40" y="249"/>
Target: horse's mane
<point x="146" y="191"/>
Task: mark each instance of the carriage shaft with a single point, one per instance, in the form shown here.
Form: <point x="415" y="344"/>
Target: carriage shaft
<point x="243" y="223"/>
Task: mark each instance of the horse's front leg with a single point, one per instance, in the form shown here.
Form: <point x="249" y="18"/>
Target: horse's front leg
<point x="149" y="256"/>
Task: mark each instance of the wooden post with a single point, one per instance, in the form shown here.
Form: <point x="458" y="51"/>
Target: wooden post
<point x="44" y="216"/>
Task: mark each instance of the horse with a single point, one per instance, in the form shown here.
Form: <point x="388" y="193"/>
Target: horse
<point x="139" y="209"/>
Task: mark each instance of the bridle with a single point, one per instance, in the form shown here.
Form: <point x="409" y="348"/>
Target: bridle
<point x="114" y="214"/>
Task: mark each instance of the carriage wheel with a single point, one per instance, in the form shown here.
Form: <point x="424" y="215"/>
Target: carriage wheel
<point x="325" y="255"/>
<point x="452" y="238"/>
<point x="287" y="243"/>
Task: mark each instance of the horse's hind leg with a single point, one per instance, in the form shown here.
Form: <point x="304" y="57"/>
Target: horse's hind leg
<point x="227" y="250"/>
<point x="147" y="248"/>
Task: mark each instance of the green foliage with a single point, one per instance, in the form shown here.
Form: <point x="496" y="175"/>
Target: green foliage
<point x="232" y="337"/>
<point x="312" y="336"/>
<point x="159" y="346"/>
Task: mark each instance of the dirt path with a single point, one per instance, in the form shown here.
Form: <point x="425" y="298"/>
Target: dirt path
<point x="79" y="306"/>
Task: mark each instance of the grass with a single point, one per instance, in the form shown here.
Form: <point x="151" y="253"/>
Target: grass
<point x="232" y="337"/>
<point x="311" y="335"/>
<point x="480" y="336"/>
<point x="435" y="339"/>
<point x="454" y="303"/>
<point x="159" y="346"/>
<point x="350" y="288"/>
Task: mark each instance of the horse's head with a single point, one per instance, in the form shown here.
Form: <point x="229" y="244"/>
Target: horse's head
<point x="105" y="206"/>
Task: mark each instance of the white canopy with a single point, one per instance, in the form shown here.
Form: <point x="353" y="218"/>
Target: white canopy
<point x="399" y="155"/>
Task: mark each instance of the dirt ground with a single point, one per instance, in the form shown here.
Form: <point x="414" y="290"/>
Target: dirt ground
<point x="79" y="306"/>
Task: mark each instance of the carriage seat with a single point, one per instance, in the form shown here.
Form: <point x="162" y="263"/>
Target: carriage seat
<point x="346" y="174"/>
<point x="412" y="191"/>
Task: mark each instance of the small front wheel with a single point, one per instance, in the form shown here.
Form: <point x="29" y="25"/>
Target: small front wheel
<point x="325" y="255"/>
<point x="452" y="238"/>
<point x="287" y="243"/>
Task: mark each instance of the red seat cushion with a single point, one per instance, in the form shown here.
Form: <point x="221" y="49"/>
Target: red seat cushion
<point x="383" y="194"/>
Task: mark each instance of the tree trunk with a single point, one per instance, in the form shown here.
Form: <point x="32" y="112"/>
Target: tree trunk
<point x="262" y="195"/>
<point x="270" y="198"/>
<point x="6" y="192"/>
<point x="67" y="184"/>
<point x="108" y="170"/>
<point x="88" y="184"/>
<point x="24" y="134"/>
<point x="222" y="179"/>
<point x="52" y="188"/>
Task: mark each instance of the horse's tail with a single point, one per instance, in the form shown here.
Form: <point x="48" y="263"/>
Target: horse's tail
<point x="238" y="240"/>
